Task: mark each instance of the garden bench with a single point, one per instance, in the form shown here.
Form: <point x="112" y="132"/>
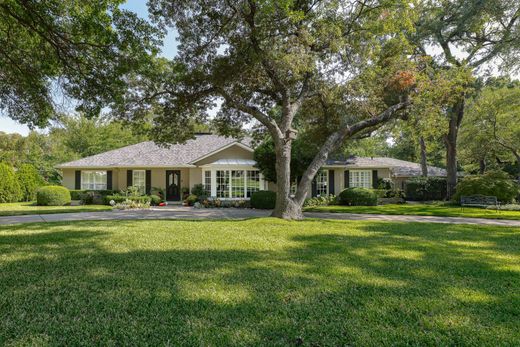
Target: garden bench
<point x="479" y="201"/>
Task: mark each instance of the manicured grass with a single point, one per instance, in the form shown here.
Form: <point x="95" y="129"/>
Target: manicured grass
<point x="21" y="208"/>
<point x="421" y="210"/>
<point x="259" y="282"/>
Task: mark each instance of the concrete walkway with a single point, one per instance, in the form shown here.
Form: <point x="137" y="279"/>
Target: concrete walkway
<point x="188" y="213"/>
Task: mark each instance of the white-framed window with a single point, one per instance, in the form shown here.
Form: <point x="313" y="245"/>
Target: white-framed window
<point x="222" y="183"/>
<point x="93" y="180"/>
<point x="139" y="180"/>
<point x="322" y="182"/>
<point x="232" y="184"/>
<point x="207" y="182"/>
<point x="238" y="183"/>
<point x="360" y="178"/>
<point x="253" y="182"/>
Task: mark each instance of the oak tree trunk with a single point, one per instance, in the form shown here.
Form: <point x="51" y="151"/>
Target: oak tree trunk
<point x="455" y="118"/>
<point x="285" y="207"/>
<point x="424" y="164"/>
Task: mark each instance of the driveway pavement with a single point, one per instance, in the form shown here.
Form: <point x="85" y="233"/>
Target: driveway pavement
<point x="187" y="213"/>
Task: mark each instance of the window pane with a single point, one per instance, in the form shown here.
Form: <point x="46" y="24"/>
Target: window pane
<point x="207" y="182"/>
<point x="253" y="182"/>
<point x="360" y="178"/>
<point x="322" y="181"/>
<point x="237" y="184"/>
<point x="222" y="183"/>
<point x="139" y="180"/>
<point x="93" y="180"/>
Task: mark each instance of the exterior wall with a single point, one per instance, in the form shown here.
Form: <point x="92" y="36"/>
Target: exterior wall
<point x="195" y="176"/>
<point x="69" y="178"/>
<point x="233" y="152"/>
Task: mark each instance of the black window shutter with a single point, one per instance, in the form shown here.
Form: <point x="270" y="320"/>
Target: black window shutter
<point x="313" y="188"/>
<point x="374" y="179"/>
<point x="331" y="181"/>
<point x="109" y="180"/>
<point x="77" y="182"/>
<point x="148" y="181"/>
<point x="346" y="179"/>
<point x="129" y="178"/>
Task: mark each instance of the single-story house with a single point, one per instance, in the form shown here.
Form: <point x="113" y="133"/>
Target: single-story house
<point x="225" y="166"/>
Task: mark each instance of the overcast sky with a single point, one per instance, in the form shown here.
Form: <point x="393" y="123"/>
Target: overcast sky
<point x="139" y="6"/>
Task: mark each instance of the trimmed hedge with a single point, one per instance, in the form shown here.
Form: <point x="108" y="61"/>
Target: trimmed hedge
<point x="263" y="199"/>
<point x="426" y="188"/>
<point x="121" y="198"/>
<point x="52" y="196"/>
<point x="75" y="194"/>
<point x="358" y="197"/>
<point x="9" y="187"/>
<point x="497" y="184"/>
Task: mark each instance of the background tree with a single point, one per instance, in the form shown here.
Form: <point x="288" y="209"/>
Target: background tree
<point x="468" y="34"/>
<point x="494" y="122"/>
<point x="321" y="64"/>
<point x="57" y="48"/>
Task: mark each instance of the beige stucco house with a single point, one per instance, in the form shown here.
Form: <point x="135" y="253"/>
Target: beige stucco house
<point x="225" y="166"/>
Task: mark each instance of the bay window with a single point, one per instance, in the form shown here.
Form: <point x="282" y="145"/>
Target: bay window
<point x="360" y="178"/>
<point x="253" y="182"/>
<point x="207" y="182"/>
<point x="93" y="180"/>
<point x="222" y="183"/>
<point x="139" y="180"/>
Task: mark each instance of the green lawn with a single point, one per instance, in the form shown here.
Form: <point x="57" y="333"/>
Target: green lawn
<point x="259" y="282"/>
<point x="21" y="208"/>
<point x="421" y="210"/>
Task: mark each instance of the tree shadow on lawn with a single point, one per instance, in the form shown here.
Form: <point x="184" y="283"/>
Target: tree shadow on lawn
<point x="345" y="284"/>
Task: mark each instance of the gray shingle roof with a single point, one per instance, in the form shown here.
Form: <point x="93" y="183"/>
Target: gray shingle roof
<point x="149" y="154"/>
<point x="400" y="168"/>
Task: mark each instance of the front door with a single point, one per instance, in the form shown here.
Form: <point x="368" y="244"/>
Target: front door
<point x="173" y="185"/>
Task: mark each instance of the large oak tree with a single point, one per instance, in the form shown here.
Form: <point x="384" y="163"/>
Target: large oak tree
<point x="325" y="66"/>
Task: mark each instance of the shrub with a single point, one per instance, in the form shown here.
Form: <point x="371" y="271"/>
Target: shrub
<point x="198" y="189"/>
<point x="191" y="199"/>
<point x="155" y="200"/>
<point x="29" y="181"/>
<point x="426" y="188"/>
<point x="87" y="198"/>
<point x="52" y="196"/>
<point x="323" y="200"/>
<point x="495" y="183"/>
<point x="158" y="192"/>
<point x="76" y="194"/>
<point x="385" y="183"/>
<point x="263" y="199"/>
<point x="358" y="197"/>
<point x="9" y="187"/>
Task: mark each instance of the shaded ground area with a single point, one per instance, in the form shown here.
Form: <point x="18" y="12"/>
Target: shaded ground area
<point x="422" y="210"/>
<point x="28" y="208"/>
<point x="258" y="282"/>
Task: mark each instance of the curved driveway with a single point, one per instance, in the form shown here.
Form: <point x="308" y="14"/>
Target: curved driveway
<point x="187" y="213"/>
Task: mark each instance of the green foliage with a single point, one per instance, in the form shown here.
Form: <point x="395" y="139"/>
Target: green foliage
<point x="9" y="187"/>
<point x="302" y="153"/>
<point x="493" y="183"/>
<point x="56" y="47"/>
<point x="29" y="181"/>
<point x="324" y="200"/>
<point x="76" y="194"/>
<point x="191" y="199"/>
<point x="155" y="200"/>
<point x="426" y="188"/>
<point x="385" y="183"/>
<point x="358" y="197"/>
<point x="263" y="199"/>
<point x="53" y="196"/>
<point x="198" y="190"/>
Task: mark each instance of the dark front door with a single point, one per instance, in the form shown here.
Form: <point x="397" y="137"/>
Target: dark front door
<point x="173" y="185"/>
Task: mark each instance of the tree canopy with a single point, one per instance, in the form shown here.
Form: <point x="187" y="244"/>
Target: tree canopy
<point x="55" y="49"/>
